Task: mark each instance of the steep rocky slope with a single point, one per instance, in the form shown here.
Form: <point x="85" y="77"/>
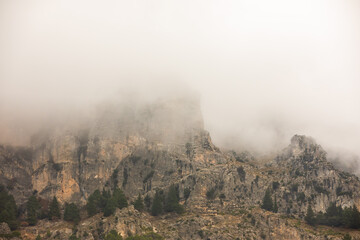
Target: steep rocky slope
<point x="144" y="148"/>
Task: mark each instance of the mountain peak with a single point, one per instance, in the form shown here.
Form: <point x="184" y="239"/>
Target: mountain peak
<point x="302" y="141"/>
<point x="303" y="148"/>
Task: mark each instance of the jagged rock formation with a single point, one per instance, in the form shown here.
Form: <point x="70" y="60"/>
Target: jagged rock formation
<point x="318" y="180"/>
<point x="144" y="148"/>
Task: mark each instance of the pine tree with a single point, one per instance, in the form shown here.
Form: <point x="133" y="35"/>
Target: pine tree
<point x="71" y="213"/>
<point x="333" y="215"/>
<point x="147" y="201"/>
<point x="54" y="212"/>
<point x="105" y="196"/>
<point x="120" y="198"/>
<point x="172" y="201"/>
<point x="157" y="205"/>
<point x="139" y="203"/>
<point x="355" y="218"/>
<point x="91" y="207"/>
<point x="310" y="216"/>
<point x="8" y="208"/>
<point x="275" y="207"/>
<point x="110" y="207"/>
<point x="347" y="217"/>
<point x="267" y="203"/>
<point x="94" y="203"/>
<point x="32" y="208"/>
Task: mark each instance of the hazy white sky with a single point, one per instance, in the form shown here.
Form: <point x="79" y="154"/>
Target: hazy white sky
<point x="265" y="70"/>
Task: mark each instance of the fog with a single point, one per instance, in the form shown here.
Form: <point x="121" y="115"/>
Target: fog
<point x="264" y="70"/>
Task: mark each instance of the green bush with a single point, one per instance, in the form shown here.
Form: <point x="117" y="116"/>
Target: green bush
<point x="113" y="235"/>
<point x="73" y="237"/>
<point x="147" y="236"/>
<point x="347" y="237"/>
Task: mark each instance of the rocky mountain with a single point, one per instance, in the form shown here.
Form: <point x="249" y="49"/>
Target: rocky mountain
<point x="146" y="148"/>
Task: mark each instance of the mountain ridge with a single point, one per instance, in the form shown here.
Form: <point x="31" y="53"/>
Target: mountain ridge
<point x="146" y="149"/>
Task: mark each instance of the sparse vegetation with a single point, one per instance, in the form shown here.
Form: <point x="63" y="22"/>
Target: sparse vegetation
<point x="147" y="236"/>
<point x="113" y="235"/>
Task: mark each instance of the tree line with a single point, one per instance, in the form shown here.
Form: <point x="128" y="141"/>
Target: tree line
<point x="105" y="201"/>
<point x="335" y="216"/>
<point x="35" y="211"/>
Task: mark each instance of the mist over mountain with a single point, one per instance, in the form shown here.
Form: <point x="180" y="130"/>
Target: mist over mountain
<point x="263" y="71"/>
<point x="180" y="119"/>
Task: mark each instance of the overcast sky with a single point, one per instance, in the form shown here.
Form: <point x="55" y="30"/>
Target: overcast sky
<point x="265" y="70"/>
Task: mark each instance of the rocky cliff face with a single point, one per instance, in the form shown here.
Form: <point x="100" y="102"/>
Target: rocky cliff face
<point x="15" y="170"/>
<point x="145" y="148"/>
<point x="71" y="163"/>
